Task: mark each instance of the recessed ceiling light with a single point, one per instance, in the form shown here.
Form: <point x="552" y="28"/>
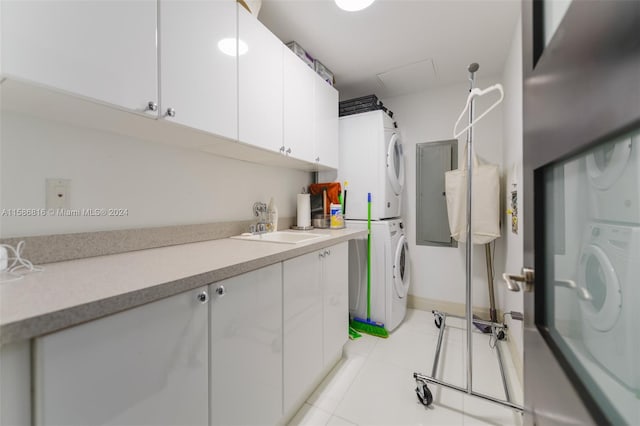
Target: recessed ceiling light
<point x="353" y="5"/>
<point x="228" y="46"/>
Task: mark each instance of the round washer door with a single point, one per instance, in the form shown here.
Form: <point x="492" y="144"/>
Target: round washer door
<point x="401" y="268"/>
<point x="600" y="281"/>
<point x="395" y="164"/>
<point x="606" y="165"/>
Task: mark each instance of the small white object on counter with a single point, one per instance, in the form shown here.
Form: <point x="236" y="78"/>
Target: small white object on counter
<point x="272" y="211"/>
<point x="304" y="211"/>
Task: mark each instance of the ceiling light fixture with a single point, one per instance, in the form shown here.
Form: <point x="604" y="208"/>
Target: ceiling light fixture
<point x="353" y="5"/>
<point x="228" y="46"/>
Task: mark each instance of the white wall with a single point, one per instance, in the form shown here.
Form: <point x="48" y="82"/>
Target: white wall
<point x="512" y="244"/>
<point x="159" y="185"/>
<point x="438" y="272"/>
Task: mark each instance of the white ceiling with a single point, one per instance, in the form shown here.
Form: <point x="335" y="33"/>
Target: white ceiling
<point x="396" y="47"/>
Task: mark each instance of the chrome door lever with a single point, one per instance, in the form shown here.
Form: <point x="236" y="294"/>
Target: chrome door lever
<point x="513" y="280"/>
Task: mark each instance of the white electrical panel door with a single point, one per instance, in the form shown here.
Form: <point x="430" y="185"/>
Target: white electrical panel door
<point x="259" y="84"/>
<point x="335" y="276"/>
<point x="144" y="366"/>
<point x="302" y="327"/>
<point x="104" y="50"/>
<point x="198" y="65"/>
<point x="246" y="348"/>
<point x="326" y="123"/>
<point x="298" y="107"/>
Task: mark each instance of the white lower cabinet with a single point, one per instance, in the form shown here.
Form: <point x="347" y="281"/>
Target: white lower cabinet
<point x="302" y="296"/>
<point x="316" y="318"/>
<point x="15" y="383"/>
<point x="144" y="366"/>
<point x="335" y="277"/>
<point x="246" y="348"/>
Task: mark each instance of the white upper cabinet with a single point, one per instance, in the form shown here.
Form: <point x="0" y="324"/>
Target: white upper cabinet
<point x="326" y="123"/>
<point x="259" y="84"/>
<point x="198" y="64"/>
<point x="298" y="107"/>
<point x="104" y="50"/>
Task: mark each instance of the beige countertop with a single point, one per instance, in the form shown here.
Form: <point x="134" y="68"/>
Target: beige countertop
<point x="69" y="293"/>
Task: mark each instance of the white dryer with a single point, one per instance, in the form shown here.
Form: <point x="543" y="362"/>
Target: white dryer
<point x="614" y="181"/>
<point x="390" y="272"/>
<point x="371" y="161"/>
<point x="608" y="273"/>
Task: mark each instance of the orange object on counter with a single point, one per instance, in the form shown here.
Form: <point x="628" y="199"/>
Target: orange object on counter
<point x="333" y="192"/>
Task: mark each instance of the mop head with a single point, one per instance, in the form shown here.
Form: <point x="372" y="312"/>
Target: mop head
<point x="353" y="334"/>
<point x="369" y="327"/>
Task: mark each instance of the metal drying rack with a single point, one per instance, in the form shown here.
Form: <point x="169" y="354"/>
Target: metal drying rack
<point x="497" y="329"/>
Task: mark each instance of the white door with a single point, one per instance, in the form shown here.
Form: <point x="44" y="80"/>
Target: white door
<point x="302" y="306"/>
<point x="144" y="366"/>
<point x="260" y="84"/>
<point x="395" y="162"/>
<point x="246" y="348"/>
<point x="104" y="50"/>
<point x="598" y="77"/>
<point x="401" y="268"/>
<point x="600" y="294"/>
<point x="298" y="107"/>
<point x="326" y="123"/>
<point x="335" y="273"/>
<point x="198" y="67"/>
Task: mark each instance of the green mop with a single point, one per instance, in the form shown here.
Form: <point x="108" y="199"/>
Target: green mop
<point x="368" y="326"/>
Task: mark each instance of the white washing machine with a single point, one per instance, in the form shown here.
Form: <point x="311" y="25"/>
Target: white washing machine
<point x="613" y="170"/>
<point x="390" y="272"/>
<point x="608" y="277"/>
<point x="371" y="161"/>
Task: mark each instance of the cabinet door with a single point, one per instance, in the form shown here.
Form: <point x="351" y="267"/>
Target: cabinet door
<point x="259" y="84"/>
<point x="326" y="123"/>
<point x="104" y="50"/>
<point x="144" y="366"/>
<point x="298" y="107"/>
<point x="198" y="79"/>
<point x="246" y="348"/>
<point x="302" y="326"/>
<point x="335" y="274"/>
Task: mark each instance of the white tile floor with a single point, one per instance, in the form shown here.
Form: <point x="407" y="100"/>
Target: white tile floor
<point x="373" y="384"/>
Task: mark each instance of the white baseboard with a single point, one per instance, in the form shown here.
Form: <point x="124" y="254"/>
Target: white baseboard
<point x="454" y="308"/>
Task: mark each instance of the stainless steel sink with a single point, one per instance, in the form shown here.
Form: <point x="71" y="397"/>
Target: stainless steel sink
<point x="284" y="237"/>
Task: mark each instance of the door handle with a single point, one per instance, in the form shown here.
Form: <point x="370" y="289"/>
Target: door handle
<point x="513" y="281"/>
<point x="583" y="293"/>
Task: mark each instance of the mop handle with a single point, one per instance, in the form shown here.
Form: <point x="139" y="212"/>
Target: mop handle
<point x="369" y="256"/>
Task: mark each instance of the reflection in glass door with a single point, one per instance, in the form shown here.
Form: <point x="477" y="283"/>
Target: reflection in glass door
<point x="592" y="271"/>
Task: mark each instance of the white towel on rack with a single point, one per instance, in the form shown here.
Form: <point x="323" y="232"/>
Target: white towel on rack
<point x="485" y="220"/>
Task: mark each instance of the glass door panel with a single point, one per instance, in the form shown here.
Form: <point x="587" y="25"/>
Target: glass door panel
<point x="591" y="295"/>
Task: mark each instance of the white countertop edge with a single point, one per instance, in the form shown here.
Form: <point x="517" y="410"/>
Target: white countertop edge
<point x="69" y="293"/>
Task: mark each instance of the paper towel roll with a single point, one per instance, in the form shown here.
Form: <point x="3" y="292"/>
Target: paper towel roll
<point x="304" y="210"/>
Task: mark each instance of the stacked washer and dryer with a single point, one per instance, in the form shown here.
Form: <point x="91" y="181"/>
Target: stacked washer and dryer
<point x="372" y="161"/>
<point x="609" y="264"/>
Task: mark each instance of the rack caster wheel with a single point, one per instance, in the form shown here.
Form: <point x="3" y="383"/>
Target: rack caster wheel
<point x="424" y="394"/>
<point x="438" y="321"/>
<point x="501" y="335"/>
